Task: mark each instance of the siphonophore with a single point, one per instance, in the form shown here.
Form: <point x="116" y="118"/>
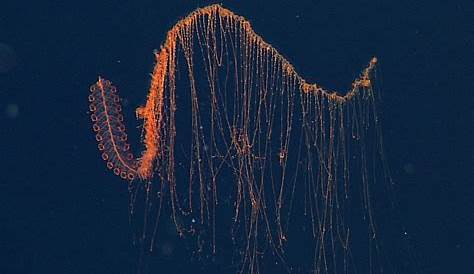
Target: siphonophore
<point x="248" y="158"/>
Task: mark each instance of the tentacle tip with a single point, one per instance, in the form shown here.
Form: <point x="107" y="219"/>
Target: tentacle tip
<point x="374" y="60"/>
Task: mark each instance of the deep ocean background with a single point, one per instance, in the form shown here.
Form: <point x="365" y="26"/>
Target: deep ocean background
<point x="62" y="212"/>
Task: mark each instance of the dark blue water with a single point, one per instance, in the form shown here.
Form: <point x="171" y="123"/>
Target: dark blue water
<point x="60" y="210"/>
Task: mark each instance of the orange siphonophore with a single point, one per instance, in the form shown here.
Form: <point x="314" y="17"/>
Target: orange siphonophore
<point x="244" y="153"/>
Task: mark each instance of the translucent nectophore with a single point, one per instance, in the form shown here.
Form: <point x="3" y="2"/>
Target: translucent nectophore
<point x="248" y="158"/>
